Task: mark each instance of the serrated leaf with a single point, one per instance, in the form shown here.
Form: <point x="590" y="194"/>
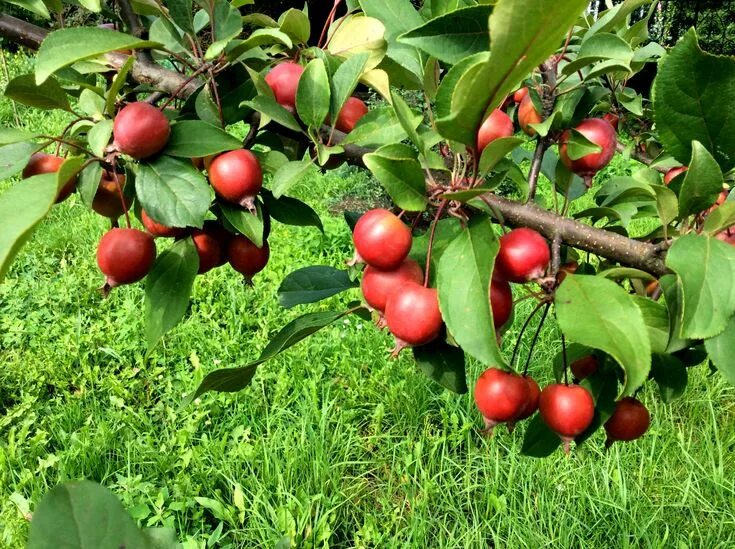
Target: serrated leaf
<point x="291" y="211"/>
<point x="444" y="364"/>
<point x="312" y="284"/>
<point x="289" y="175"/>
<point x="173" y="192"/>
<point x="463" y="280"/>
<point x="235" y="379"/>
<point x="656" y="319"/>
<point x="82" y="514"/>
<point x="246" y="223"/>
<point x="48" y="95"/>
<point x="598" y="313"/>
<point x="706" y="269"/>
<point x="539" y="441"/>
<point x="358" y="34"/>
<point x="194" y="138"/>
<point x="312" y="96"/>
<point x="168" y="288"/>
<point x="295" y="23"/>
<point x="397" y="169"/>
<point x="690" y="94"/>
<point x="453" y="36"/>
<point x="63" y="47"/>
<point x="99" y="137"/>
<point x="721" y="350"/>
<point x="22" y="207"/>
<point x="702" y="183"/>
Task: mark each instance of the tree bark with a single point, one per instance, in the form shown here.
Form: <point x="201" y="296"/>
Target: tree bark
<point x="573" y="233"/>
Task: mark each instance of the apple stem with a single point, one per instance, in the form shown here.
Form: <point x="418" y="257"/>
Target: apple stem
<point x="523" y="331"/>
<point x="535" y="338"/>
<point x="564" y="356"/>
<point x="119" y="191"/>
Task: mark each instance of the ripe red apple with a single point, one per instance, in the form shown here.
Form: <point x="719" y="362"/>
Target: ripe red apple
<point x="613" y="119"/>
<point x="381" y="240"/>
<point x="245" y="257"/>
<point x="125" y="255"/>
<point x="157" y="229"/>
<point x="283" y="79"/>
<point x="524" y="255"/>
<point x="412" y="315"/>
<point x="352" y="111"/>
<point x="585" y="367"/>
<point x="107" y="200"/>
<point x="534" y="393"/>
<point x="140" y="130"/>
<point x="500" y="396"/>
<point x="629" y="421"/>
<point x="672" y="173"/>
<point x="599" y="132"/>
<point x="567" y="410"/>
<point x="527" y="115"/>
<point x="41" y="163"/>
<point x="501" y="302"/>
<point x="520" y="94"/>
<point x="210" y="249"/>
<point x="495" y="126"/>
<point x="236" y="176"/>
<point x="377" y="285"/>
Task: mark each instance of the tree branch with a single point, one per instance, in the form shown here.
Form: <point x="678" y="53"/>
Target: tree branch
<point x="573" y="233"/>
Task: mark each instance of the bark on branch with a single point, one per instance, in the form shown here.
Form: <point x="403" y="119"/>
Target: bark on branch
<point x="573" y="233"/>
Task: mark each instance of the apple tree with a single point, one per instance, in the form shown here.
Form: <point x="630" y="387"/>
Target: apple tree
<point x="159" y="95"/>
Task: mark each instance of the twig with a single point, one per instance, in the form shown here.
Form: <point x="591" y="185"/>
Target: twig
<point x="535" y="338"/>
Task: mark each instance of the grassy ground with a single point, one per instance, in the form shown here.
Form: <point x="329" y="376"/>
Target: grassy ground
<point x="333" y="444"/>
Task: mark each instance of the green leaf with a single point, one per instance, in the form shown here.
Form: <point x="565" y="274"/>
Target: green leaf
<point x="454" y="36"/>
<point x="702" y="184"/>
<point x="344" y="81"/>
<point x="289" y="175"/>
<point x="235" y="379"/>
<point x="539" y="441"/>
<point x="246" y="223"/>
<point x="444" y="364"/>
<point x="89" y="182"/>
<point x="168" y="288"/>
<point x="92" y="104"/>
<point x="312" y="96"/>
<point x="496" y="151"/>
<point x="173" y="192"/>
<point x="671" y="376"/>
<point x="358" y="34"/>
<point x="706" y="269"/>
<point x="409" y="119"/>
<point x="656" y="318"/>
<point x="380" y="126"/>
<point x="523" y="34"/>
<point x="15" y="157"/>
<point x="291" y="211"/>
<point x="398" y="170"/>
<point x="194" y="138"/>
<point x="721" y="350"/>
<point x="720" y="218"/>
<point x="181" y="13"/>
<point x="268" y="106"/>
<point x="22" y="207"/>
<point x="596" y="312"/>
<point x="63" y="47"/>
<point x="259" y="37"/>
<point x="674" y="300"/>
<point x="691" y="94"/>
<point x="463" y="280"/>
<point x="602" y="47"/>
<point x="34" y="6"/>
<point x="48" y="95"/>
<point x="9" y="136"/>
<point x="226" y="21"/>
<point x="83" y="514"/>
<point x="99" y="137"/>
<point x="295" y="23"/>
<point x="312" y="284"/>
<point x="117" y="84"/>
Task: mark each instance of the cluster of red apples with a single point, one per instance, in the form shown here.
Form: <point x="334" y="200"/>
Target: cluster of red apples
<point x="599" y="131"/>
<point x="126" y="255"/>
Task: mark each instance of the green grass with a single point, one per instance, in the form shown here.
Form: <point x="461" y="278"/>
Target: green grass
<point x="333" y="444"/>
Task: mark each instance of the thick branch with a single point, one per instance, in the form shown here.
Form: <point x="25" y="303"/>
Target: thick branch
<point x="573" y="233"/>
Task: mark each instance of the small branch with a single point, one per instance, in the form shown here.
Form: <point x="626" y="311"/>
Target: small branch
<point x="533" y="175"/>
